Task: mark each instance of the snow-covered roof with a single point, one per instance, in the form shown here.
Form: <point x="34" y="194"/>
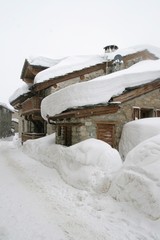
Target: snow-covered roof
<point x="63" y="66"/>
<point x="43" y="61"/>
<point x="67" y="65"/>
<point x="75" y="63"/>
<point x="138" y="48"/>
<point x="7" y="106"/>
<point x="101" y="89"/>
<point x="19" y="92"/>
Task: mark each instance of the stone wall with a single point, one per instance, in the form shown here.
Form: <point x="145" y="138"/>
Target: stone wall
<point x="5" y="122"/>
<point x="87" y="127"/>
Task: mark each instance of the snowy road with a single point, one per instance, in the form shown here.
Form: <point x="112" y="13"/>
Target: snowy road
<point x="36" y="204"/>
<point x="24" y="213"/>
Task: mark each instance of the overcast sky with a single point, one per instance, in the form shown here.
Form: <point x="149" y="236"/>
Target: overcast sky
<point x="58" y="28"/>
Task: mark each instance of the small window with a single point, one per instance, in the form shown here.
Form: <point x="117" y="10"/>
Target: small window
<point x="143" y="113"/>
<point x="146" y="112"/>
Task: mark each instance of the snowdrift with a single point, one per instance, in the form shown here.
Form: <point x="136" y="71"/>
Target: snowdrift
<point x="137" y="131"/>
<point x="138" y="182"/>
<point x="88" y="165"/>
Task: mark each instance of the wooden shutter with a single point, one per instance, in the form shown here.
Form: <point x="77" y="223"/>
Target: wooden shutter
<point x="106" y="132"/>
<point x="66" y="135"/>
<point x="157" y="112"/>
<point x="136" y="113"/>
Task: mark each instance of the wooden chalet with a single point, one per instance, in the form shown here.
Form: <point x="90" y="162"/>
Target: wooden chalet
<point x="31" y="124"/>
<point x="105" y="121"/>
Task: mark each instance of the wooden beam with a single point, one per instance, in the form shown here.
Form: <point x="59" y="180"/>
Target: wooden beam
<point x="52" y="81"/>
<point x="140" y="90"/>
<point x="87" y="112"/>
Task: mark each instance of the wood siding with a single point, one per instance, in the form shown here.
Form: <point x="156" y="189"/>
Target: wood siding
<point x="106" y="132"/>
<point x="31" y="105"/>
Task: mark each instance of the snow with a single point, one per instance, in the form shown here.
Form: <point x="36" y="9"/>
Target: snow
<point x="104" y="87"/>
<point x="15" y="120"/>
<point x="75" y="63"/>
<point x="44" y="196"/>
<point x="63" y="66"/>
<point x="19" y="92"/>
<point x="43" y="61"/>
<point x="7" y="106"/>
<point x="67" y="65"/>
<point x="85" y="191"/>
<point x="87" y="165"/>
<point x="138" y="48"/>
<point x="139" y="181"/>
<point x="137" y="129"/>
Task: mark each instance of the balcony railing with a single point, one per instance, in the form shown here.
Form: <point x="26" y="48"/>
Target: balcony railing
<point x="28" y="136"/>
<point x="31" y="105"/>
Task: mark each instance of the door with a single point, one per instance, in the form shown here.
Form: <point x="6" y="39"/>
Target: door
<point x="106" y="132"/>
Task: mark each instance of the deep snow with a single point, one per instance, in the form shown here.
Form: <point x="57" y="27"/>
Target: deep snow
<point x="44" y="196"/>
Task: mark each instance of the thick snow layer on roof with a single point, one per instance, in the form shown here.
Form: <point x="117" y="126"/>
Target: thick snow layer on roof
<point x="67" y="65"/>
<point x="74" y="63"/>
<point x="7" y="106"/>
<point x="138" y="48"/>
<point x="43" y="61"/>
<point x="101" y="89"/>
<point x="20" y="91"/>
<point x="137" y="131"/>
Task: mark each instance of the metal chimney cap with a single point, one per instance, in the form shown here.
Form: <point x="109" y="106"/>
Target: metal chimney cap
<point x="110" y="48"/>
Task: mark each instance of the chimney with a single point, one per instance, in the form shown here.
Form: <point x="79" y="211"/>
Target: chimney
<point x="110" y="48"/>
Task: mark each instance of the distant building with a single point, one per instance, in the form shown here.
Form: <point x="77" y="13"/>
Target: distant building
<point x="5" y="121"/>
<point x="15" y="122"/>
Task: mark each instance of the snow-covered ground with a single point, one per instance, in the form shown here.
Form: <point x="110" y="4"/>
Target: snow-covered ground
<point x="80" y="192"/>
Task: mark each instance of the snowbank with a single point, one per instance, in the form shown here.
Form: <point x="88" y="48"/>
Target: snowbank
<point x="101" y="89"/>
<point x="137" y="131"/>
<point x="138" y="182"/>
<point x="90" y="164"/>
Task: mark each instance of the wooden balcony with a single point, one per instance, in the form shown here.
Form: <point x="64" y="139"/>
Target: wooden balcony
<point x="31" y="106"/>
<point x="29" y="136"/>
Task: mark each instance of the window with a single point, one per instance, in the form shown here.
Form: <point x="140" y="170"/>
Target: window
<point x="143" y="113"/>
<point x="146" y="113"/>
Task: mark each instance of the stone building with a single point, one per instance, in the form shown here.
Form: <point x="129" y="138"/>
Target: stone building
<point x="5" y="121"/>
<point x="105" y="119"/>
<point x="45" y="76"/>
